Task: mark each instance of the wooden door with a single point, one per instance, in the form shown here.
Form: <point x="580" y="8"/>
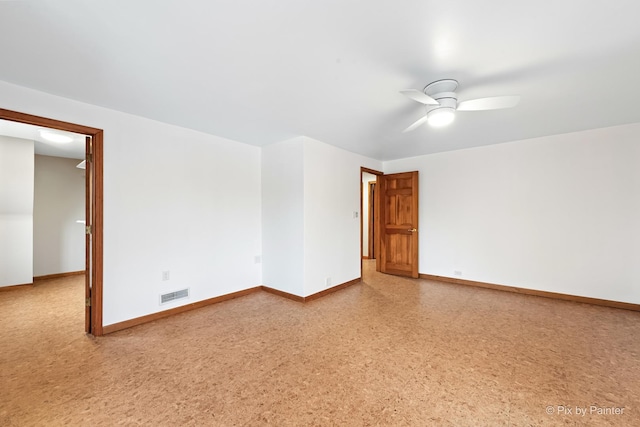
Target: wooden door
<point x="398" y="224"/>
<point x="88" y="197"/>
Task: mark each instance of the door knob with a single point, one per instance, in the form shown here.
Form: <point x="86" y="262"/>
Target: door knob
<point x="412" y="230"/>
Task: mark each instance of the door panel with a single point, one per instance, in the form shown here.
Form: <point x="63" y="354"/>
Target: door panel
<point x="398" y="219"/>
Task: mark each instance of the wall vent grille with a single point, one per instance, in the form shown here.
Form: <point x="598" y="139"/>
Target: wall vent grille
<point x="172" y="296"/>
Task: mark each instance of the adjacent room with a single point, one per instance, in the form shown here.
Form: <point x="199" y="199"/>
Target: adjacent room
<point x="319" y="213"/>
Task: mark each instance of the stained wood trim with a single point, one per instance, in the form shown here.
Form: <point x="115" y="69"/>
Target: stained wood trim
<point x="283" y="294"/>
<point x="166" y="313"/>
<point x="377" y="211"/>
<point x="361" y="185"/>
<point x="88" y="210"/>
<point x="545" y="294"/>
<point x="371" y="171"/>
<point x="371" y="249"/>
<point x="188" y="307"/>
<point x="16" y="287"/>
<point x="332" y="289"/>
<point x="97" y="250"/>
<point x="45" y="122"/>
<point x="312" y="296"/>
<point x="416" y="212"/>
<point x="97" y="233"/>
<point x="58" y="275"/>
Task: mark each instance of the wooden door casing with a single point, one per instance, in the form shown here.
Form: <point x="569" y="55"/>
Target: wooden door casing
<point x="371" y="249"/>
<point x="88" y="225"/>
<point x="96" y="172"/>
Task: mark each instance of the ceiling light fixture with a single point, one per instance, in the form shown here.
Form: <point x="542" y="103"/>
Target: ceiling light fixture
<point x="55" y="137"/>
<point x="441" y="117"/>
<point x="441" y="102"/>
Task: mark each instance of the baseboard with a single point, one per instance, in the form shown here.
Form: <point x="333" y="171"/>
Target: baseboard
<point x="332" y="289"/>
<point x="177" y="310"/>
<point x="162" y="314"/>
<point x="58" y="275"/>
<point x="545" y="294"/>
<point x="14" y="287"/>
<point x="41" y="278"/>
<point x="312" y="296"/>
<point x="282" y="294"/>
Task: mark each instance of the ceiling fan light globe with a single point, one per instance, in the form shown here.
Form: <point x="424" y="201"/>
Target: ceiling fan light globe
<point x="441" y="117"/>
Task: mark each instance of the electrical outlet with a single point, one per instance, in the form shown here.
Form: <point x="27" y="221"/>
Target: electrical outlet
<point x="327" y="282"/>
<point x="457" y="272"/>
<point x="165" y="276"/>
<point x="257" y="259"/>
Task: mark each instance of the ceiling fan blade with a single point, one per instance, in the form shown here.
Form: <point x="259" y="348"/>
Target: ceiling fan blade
<point x="415" y="124"/>
<point x="421" y="97"/>
<point x="493" y="103"/>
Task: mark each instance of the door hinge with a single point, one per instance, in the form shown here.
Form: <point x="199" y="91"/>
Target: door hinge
<point x="87" y="229"/>
<point x="89" y="158"/>
<point x="87" y="302"/>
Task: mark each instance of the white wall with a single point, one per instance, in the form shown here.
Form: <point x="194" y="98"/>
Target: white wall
<point x="174" y="199"/>
<point x="283" y="216"/>
<point x="16" y="211"/>
<point x="58" y="240"/>
<point x="331" y="196"/>
<point x="558" y="214"/>
<point x="310" y="192"/>
<point x="366" y="178"/>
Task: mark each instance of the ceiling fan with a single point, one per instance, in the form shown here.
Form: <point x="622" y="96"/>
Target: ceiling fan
<point x="441" y="102"/>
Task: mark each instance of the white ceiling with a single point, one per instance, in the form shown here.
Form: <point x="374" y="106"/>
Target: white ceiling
<point x="72" y="150"/>
<point x="265" y="70"/>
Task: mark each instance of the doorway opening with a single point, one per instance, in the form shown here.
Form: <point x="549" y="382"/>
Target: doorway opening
<point x="93" y="207"/>
<point x="368" y="245"/>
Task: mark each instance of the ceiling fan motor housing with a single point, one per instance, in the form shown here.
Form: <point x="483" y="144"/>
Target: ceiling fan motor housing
<point x="442" y="91"/>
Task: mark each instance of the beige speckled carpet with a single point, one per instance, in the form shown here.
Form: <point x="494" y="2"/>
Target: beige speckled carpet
<point x="388" y="351"/>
